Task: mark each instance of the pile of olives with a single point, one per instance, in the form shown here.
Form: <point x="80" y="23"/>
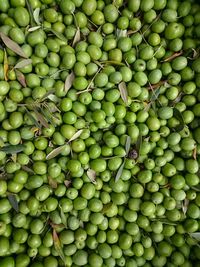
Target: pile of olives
<point x="99" y="133"/>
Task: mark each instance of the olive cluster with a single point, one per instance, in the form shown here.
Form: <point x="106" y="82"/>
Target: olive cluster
<point x="99" y="133"/>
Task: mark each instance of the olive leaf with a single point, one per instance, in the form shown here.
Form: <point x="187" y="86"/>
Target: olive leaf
<point x="128" y="144"/>
<point x="57" y="34"/>
<point x="194" y="153"/>
<point x="20" y="77"/>
<point x="138" y="144"/>
<point x="77" y="37"/>
<point x="12" y="45"/>
<point x="58" y="246"/>
<point x="33" y="119"/>
<point x="177" y="114"/>
<point x="36" y="15"/>
<point x="67" y="183"/>
<point x="123" y="92"/>
<point x="52" y="182"/>
<point x="13" y="201"/>
<point x="12" y="149"/>
<point x="35" y="28"/>
<point x="155" y="95"/>
<point x="63" y="217"/>
<point x="55" y="152"/>
<point x="23" y="63"/>
<point x="106" y="207"/>
<point x="113" y="62"/>
<point x="5" y="65"/>
<point x="119" y="172"/>
<point x="30" y="11"/>
<point x="91" y="175"/>
<point x="27" y="169"/>
<point x="121" y="33"/>
<point x="195" y="235"/>
<point x="41" y="119"/>
<point x="185" y="204"/>
<point x="69" y="81"/>
<point x="75" y="136"/>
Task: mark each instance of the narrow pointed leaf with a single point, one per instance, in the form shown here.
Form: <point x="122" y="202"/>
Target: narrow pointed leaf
<point x="36" y="15"/>
<point x="76" y="135"/>
<point x="177" y="54"/>
<point x="91" y="175"/>
<point x="177" y="114"/>
<point x="63" y="217"/>
<point x="35" y="28"/>
<point x="5" y="66"/>
<point x="155" y="95"/>
<point x="138" y="144"/>
<point x="69" y="81"/>
<point x="12" y="149"/>
<point x="121" y="33"/>
<point x="58" y="246"/>
<point x="119" y="172"/>
<point x="41" y="119"/>
<point x="33" y="119"/>
<point x="30" y="10"/>
<point x="55" y="152"/>
<point x="52" y="182"/>
<point x="194" y="153"/>
<point x="106" y="207"/>
<point x="13" y="202"/>
<point x="128" y="144"/>
<point x="57" y="34"/>
<point x="113" y="62"/>
<point x="185" y="204"/>
<point x="123" y="92"/>
<point x="195" y="235"/>
<point x="27" y="169"/>
<point x="12" y="45"/>
<point x="23" y="63"/>
<point x="21" y="78"/>
<point x="77" y="37"/>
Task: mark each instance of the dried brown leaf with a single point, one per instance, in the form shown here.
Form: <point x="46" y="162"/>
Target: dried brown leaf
<point x="12" y="45"/>
<point x="177" y="54"/>
<point x="20" y="77"/>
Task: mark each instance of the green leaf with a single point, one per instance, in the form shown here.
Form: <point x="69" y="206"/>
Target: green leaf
<point x="55" y="152"/>
<point x="41" y="119"/>
<point x="12" y="149"/>
<point x="119" y="172"/>
<point x="113" y="62"/>
<point x="33" y="119"/>
<point x="177" y="114"/>
<point x="36" y="15"/>
<point x="58" y="246"/>
<point x="23" y="63"/>
<point x="128" y="144"/>
<point x="138" y="144"/>
<point x="155" y="94"/>
<point x="30" y="10"/>
<point x="12" y="45"/>
<point x="13" y="201"/>
<point x="123" y="92"/>
<point x="69" y="81"/>
<point x="63" y="217"/>
<point x="57" y="34"/>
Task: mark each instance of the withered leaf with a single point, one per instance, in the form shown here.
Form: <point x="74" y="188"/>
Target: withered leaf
<point x="5" y="66"/>
<point x="69" y="81"/>
<point x="36" y="15"/>
<point x="75" y="136"/>
<point x="58" y="246"/>
<point x="12" y="45"/>
<point x="55" y="152"/>
<point x="119" y="172"/>
<point x="123" y="92"/>
<point x="41" y="119"/>
<point x="23" y="63"/>
<point x="91" y="175"/>
<point x="77" y="37"/>
<point x="20" y="77"/>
